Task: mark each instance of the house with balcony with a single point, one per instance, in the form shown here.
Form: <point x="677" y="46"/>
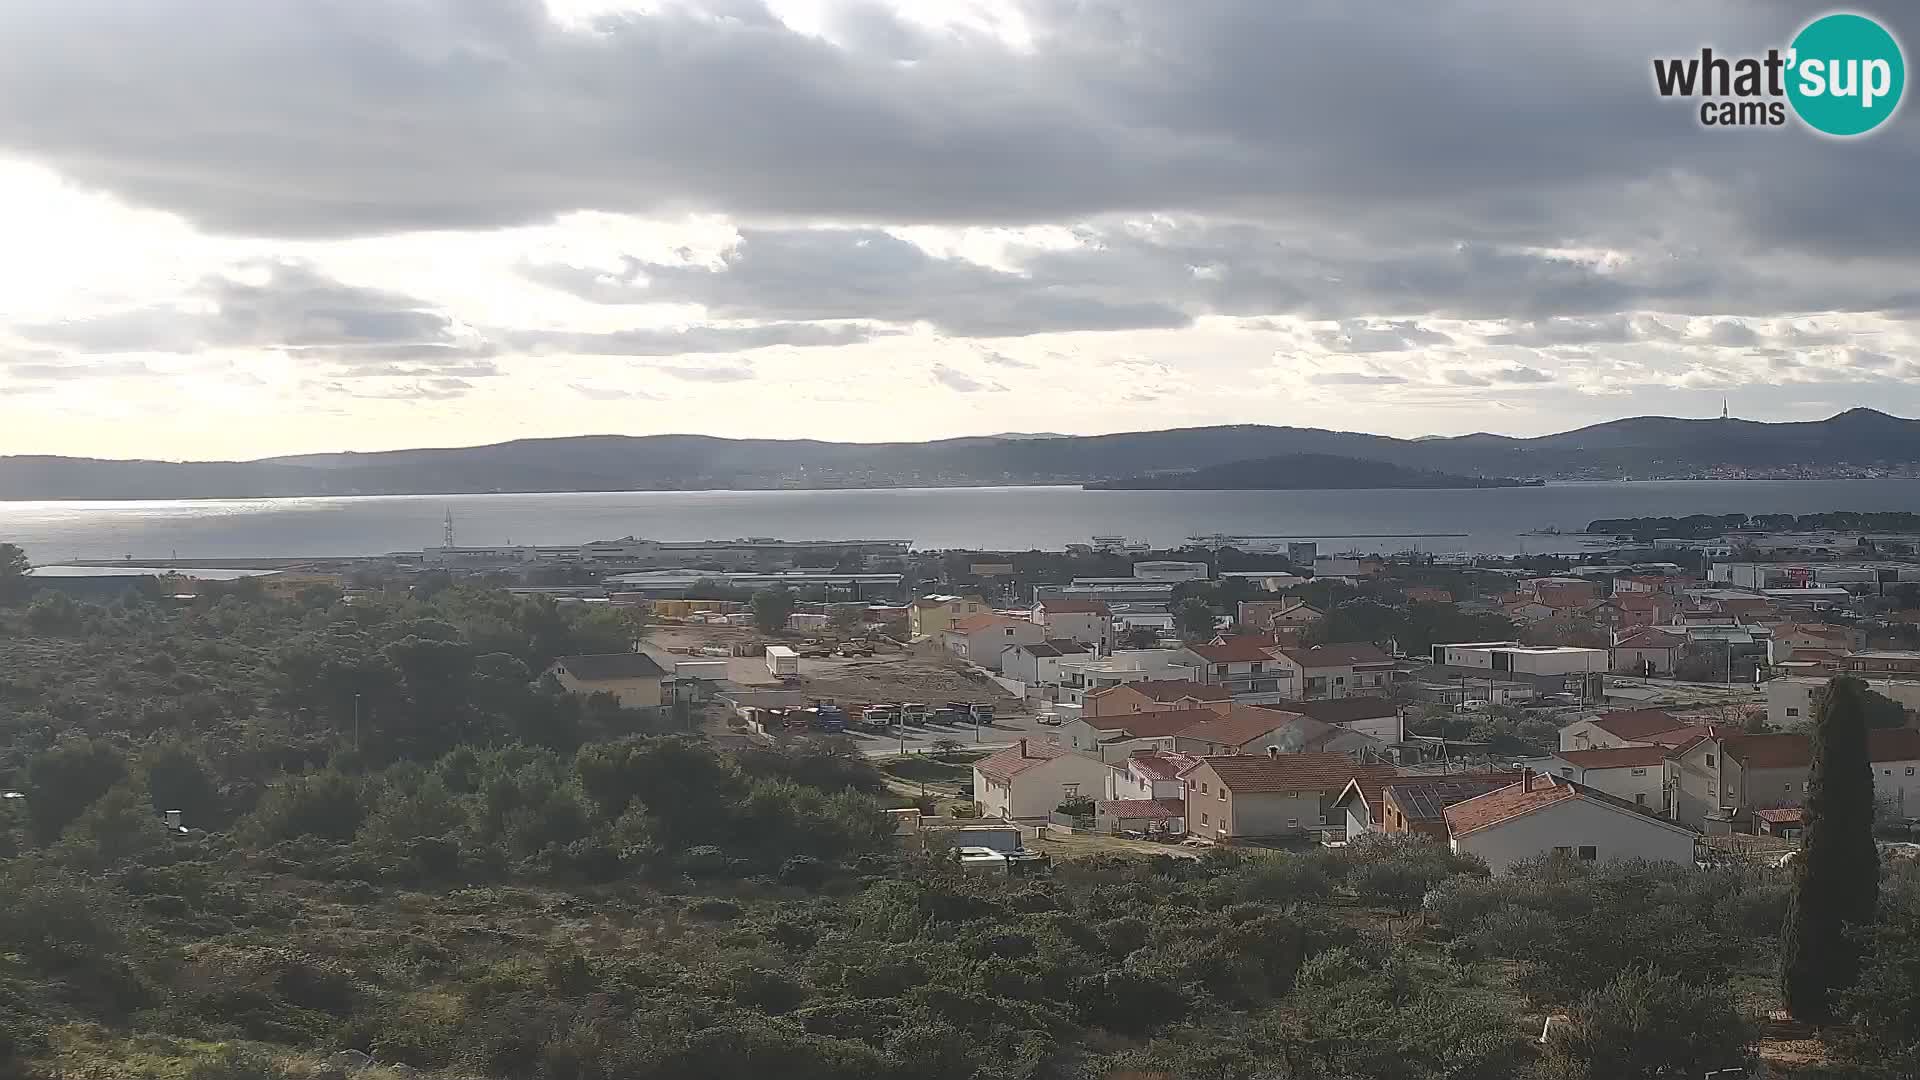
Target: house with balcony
<point x="1317" y="672"/>
<point x="1089" y="622"/>
<point x="1243" y="665"/>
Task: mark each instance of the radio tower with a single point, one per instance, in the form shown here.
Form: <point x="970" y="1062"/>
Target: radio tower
<point x="446" y="533"/>
<point x="1723" y="410"/>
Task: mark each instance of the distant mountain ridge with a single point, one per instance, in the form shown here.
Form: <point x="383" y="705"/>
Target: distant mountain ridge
<point x="1299" y="472"/>
<point x="1635" y="447"/>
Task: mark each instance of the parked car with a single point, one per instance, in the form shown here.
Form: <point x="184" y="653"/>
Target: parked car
<point x="1047" y="719"/>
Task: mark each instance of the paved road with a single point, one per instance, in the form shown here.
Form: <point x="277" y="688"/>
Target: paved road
<point x="919" y="738"/>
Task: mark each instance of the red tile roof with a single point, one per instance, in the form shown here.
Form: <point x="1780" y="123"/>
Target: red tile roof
<point x="1536" y="792"/>
<point x="1026" y="754"/>
<point x="1162" y="764"/>
<point x="1340" y="710"/>
<point x="1637" y="724"/>
<point x="1650" y="638"/>
<point x="1135" y="809"/>
<point x="1615" y="758"/>
<point x="1356" y="654"/>
<point x="1785" y="815"/>
<point x="1234" y="650"/>
<point x="1504" y="804"/>
<point x="1151" y="725"/>
<point x="1247" y="774"/>
<point x="1680" y="736"/>
<point x="1175" y="689"/>
<point x="1368" y="789"/>
<point x="1244" y="724"/>
<point x="1066" y="607"/>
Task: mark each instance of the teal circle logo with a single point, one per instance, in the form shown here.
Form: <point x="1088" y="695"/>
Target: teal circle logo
<point x="1845" y="74"/>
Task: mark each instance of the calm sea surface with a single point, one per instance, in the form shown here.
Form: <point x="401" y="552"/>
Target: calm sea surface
<point x="1491" y="521"/>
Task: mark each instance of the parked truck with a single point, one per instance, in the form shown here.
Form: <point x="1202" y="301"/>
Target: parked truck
<point x="782" y="662"/>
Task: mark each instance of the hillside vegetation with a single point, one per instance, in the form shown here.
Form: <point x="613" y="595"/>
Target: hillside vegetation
<point x="401" y="843"/>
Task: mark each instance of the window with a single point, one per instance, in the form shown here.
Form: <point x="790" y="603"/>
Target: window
<point x="1709" y="761"/>
<point x="1589" y="853"/>
<point x="1203" y="787"/>
<point x="1293" y="823"/>
<point x="1909" y="770"/>
<point x="1203" y="818"/>
<point x="1788" y="785"/>
<point x="1639" y="772"/>
<point x="1323" y="819"/>
<point x="1640" y="798"/>
<point x="1793" y="711"/>
<point x="1339" y="680"/>
<point x="1223" y="794"/>
<point x="1070" y="790"/>
<point x="1562" y="849"/>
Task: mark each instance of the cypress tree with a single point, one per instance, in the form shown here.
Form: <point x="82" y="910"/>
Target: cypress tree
<point x="1836" y="879"/>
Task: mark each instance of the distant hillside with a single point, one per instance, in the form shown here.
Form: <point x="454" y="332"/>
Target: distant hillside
<point x="1638" y="447"/>
<point x="1298" y="472"/>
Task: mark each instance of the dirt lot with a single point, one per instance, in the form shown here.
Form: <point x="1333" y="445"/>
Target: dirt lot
<point x="888" y="677"/>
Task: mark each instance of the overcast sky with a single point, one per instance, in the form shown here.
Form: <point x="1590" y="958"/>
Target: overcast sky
<point x="234" y="228"/>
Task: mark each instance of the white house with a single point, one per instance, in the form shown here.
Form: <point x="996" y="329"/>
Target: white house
<point x="1320" y="672"/>
<point x="1545" y="814"/>
<point x="1028" y="779"/>
<point x="1089" y="622"/>
<point x="1647" y="651"/>
<point x="1149" y="775"/>
<point x="1374" y="716"/>
<point x="1636" y="774"/>
<point x="1634" y="727"/>
<point x="982" y="638"/>
<point x="1038" y="663"/>
<point x="1113" y="738"/>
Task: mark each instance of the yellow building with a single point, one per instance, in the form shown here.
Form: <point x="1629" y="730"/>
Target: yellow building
<point x="932" y="616"/>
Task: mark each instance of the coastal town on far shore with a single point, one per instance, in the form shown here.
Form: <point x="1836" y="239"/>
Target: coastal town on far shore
<point x="1633" y="700"/>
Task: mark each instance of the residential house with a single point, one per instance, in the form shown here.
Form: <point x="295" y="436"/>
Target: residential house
<point x="1417" y="805"/>
<point x="980" y="639"/>
<point x="1152" y="816"/>
<point x="632" y="677"/>
<point x="1113" y="738"/>
<point x="1725" y="776"/>
<point x="1089" y="622"/>
<point x="1243" y="664"/>
<point x="1561" y="593"/>
<point x="1647" y="652"/>
<point x="1652" y="584"/>
<point x="932" y="616"/>
<point x="1789" y="637"/>
<point x="1629" y="611"/>
<point x="1545" y="814"/>
<point x="1422" y="594"/>
<point x="1027" y="780"/>
<point x="1610" y="729"/>
<point x="1038" y="663"/>
<point x="1149" y="774"/>
<point x="1637" y="774"/>
<point x="1374" y="716"/>
<point x="1268" y="616"/>
<point x="1246" y="729"/>
<point x="1318" y="672"/>
<point x="1361" y="805"/>
<point x="1155" y="695"/>
<point x="1270" y="795"/>
<point x="1791" y="699"/>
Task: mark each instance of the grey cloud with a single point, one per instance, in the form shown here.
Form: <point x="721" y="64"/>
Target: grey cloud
<point x="611" y="393"/>
<point x="1520" y="373"/>
<point x="835" y="274"/>
<point x="296" y="310"/>
<point x="92" y="369"/>
<point x="954" y="379"/>
<point x="1352" y="378"/>
<point x="998" y="359"/>
<point x="1359" y="335"/>
<point x="1732" y="334"/>
<point x="716" y="373"/>
<point x="692" y="339"/>
<point x="1459" y="377"/>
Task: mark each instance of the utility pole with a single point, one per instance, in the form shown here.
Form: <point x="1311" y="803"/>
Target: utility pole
<point x="356" y="724"/>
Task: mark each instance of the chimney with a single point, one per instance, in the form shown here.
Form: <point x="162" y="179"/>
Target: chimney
<point x="173" y="819"/>
<point x="1273" y="751"/>
<point x="1526" y="778"/>
<point x="1023" y="746"/>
